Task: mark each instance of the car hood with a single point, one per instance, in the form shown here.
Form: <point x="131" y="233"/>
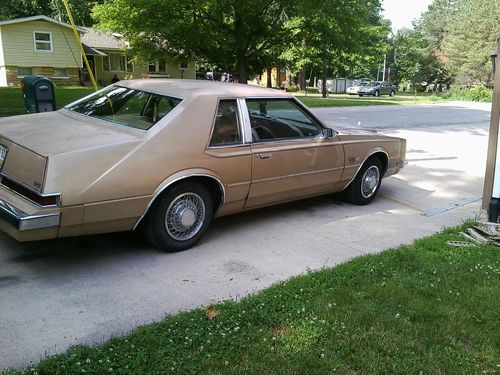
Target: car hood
<point x="54" y="133"/>
<point x="355" y="131"/>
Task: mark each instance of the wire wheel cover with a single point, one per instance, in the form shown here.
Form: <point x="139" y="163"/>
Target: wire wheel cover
<point x="185" y="216"/>
<point x="369" y="182"/>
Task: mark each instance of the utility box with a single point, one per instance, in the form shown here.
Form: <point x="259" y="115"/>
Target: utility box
<point x="39" y="94"/>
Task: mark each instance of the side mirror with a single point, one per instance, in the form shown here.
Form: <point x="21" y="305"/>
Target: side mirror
<point x="327" y="132"/>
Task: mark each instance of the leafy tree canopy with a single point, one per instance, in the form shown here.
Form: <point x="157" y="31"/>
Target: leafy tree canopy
<point x="451" y="42"/>
<point x="81" y="9"/>
<point x="246" y="36"/>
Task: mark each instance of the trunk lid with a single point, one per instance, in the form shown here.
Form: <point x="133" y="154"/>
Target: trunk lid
<point x="63" y="131"/>
<point x="30" y="141"/>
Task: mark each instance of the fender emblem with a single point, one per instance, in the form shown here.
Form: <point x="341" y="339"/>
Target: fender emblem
<point x="353" y="159"/>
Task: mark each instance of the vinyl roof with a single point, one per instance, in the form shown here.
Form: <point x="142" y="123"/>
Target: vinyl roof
<point x="187" y="88"/>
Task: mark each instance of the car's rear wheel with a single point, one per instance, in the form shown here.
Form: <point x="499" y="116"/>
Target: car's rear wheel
<point x="363" y="189"/>
<point x="392" y="93"/>
<point x="361" y="95"/>
<point x="376" y="93"/>
<point x="179" y="218"/>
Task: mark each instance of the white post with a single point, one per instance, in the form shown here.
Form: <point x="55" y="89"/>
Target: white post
<point x="491" y="192"/>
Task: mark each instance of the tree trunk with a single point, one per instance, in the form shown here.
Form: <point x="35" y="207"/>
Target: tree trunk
<point x="269" y="72"/>
<point x="242" y="71"/>
<point x="303" y="83"/>
<point x="323" y="89"/>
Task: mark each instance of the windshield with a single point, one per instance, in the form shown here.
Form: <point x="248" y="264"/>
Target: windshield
<point x="128" y="107"/>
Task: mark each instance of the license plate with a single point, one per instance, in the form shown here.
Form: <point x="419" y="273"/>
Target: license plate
<point x="3" y="154"/>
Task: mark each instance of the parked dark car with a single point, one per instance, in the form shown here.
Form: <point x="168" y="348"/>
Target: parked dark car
<point x="377" y="89"/>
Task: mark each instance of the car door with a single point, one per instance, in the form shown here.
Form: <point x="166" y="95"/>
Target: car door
<point x="230" y="153"/>
<point x="385" y="88"/>
<point x="291" y="158"/>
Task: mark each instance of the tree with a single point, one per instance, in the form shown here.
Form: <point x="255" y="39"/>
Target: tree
<point x="247" y="36"/>
<point x="333" y="35"/>
<point x="451" y="42"/>
<point x="10" y="9"/>
<point x="234" y="35"/>
<point x="81" y="9"/>
<point x="471" y="34"/>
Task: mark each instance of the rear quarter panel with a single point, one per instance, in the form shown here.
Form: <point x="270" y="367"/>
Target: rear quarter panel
<point x="358" y="148"/>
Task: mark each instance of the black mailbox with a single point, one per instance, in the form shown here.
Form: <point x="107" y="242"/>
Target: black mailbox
<point x="39" y="94"/>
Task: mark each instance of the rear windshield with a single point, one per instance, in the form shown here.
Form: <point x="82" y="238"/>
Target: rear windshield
<point x="124" y="106"/>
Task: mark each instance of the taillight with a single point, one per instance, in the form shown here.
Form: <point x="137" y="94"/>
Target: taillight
<point x="42" y="200"/>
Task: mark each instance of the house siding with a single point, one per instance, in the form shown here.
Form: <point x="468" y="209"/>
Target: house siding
<point x="19" y="49"/>
<point x="72" y="78"/>
<point x="140" y="71"/>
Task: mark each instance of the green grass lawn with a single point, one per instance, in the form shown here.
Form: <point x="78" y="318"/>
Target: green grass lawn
<point x="428" y="308"/>
<point x="342" y="100"/>
<point x="12" y="102"/>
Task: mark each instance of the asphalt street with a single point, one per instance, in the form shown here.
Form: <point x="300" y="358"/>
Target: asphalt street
<point x="85" y="290"/>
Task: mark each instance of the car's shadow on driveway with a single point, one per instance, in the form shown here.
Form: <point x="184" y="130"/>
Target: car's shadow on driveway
<point x="92" y="248"/>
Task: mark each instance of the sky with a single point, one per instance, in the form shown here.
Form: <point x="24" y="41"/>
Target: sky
<point x="402" y="12"/>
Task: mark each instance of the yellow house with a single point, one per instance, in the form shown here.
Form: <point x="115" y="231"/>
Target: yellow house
<point x="43" y="45"/>
<point x="38" y="45"/>
<point x="107" y="55"/>
<point x="276" y="80"/>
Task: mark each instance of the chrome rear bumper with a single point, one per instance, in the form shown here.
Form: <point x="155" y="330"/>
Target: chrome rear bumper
<point x="22" y="221"/>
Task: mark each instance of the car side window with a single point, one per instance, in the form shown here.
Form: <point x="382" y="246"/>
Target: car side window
<point x="226" y="128"/>
<point x="280" y="119"/>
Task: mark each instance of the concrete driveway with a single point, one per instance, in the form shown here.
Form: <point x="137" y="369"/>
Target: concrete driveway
<point x="84" y="290"/>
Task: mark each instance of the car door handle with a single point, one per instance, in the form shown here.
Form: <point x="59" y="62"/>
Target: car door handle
<point x="264" y="155"/>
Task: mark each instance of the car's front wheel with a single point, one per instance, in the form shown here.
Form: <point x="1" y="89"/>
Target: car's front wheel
<point x="179" y="218"/>
<point x="392" y="93"/>
<point x="363" y="189"/>
<point x="376" y="93"/>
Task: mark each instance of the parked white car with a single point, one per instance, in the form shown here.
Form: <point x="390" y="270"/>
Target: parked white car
<point x="353" y="90"/>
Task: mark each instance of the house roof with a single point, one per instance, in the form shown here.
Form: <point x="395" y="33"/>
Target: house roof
<point x="89" y="51"/>
<point x="41" y="18"/>
<point x="104" y="40"/>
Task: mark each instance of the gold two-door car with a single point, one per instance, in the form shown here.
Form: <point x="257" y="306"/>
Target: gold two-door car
<point x="168" y="156"/>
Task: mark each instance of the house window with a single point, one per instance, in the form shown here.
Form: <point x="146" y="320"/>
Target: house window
<point x="162" y="65"/>
<point x="130" y="66"/>
<point x="158" y="66"/>
<point x="24" y="71"/>
<point x="43" y="41"/>
<point x="116" y="62"/>
<point x="184" y="65"/>
<point x="60" y="73"/>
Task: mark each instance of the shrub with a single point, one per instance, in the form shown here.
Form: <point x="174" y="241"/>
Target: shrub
<point x="289" y="87"/>
<point x="476" y="93"/>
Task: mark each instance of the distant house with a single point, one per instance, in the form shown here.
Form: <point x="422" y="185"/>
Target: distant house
<point x="43" y="45"/>
<point x="108" y="55"/>
<point x="38" y="45"/>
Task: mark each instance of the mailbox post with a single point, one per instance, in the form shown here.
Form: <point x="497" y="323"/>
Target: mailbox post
<point x="39" y="94"/>
<point x="491" y="192"/>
